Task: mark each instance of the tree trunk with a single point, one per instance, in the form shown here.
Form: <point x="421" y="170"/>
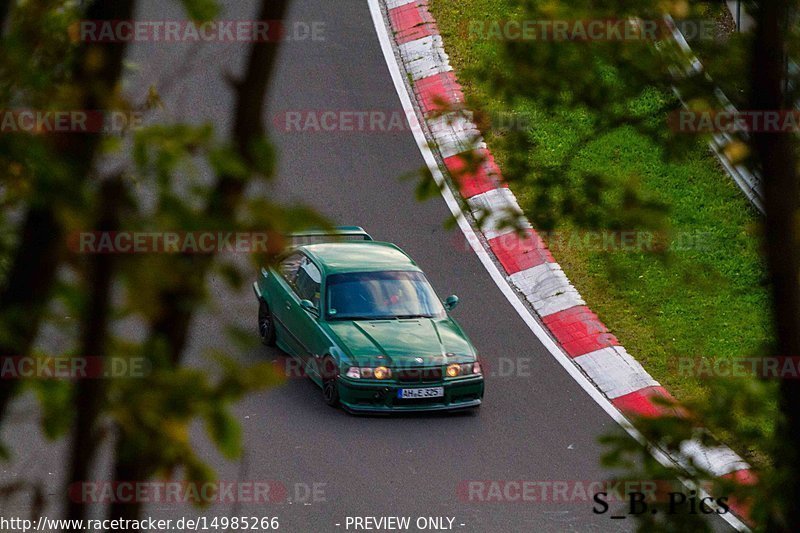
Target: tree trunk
<point x="27" y="289"/>
<point x="178" y="303"/>
<point x="776" y="156"/>
<point x="90" y="392"/>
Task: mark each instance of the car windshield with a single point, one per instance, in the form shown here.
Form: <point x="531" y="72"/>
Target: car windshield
<point x="381" y="295"/>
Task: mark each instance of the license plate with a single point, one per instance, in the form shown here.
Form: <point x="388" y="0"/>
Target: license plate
<point x="429" y="392"/>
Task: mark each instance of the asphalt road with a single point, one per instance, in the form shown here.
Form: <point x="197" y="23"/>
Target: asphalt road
<point x="535" y="424"/>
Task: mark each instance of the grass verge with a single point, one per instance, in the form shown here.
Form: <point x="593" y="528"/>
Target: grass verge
<point x="707" y="299"/>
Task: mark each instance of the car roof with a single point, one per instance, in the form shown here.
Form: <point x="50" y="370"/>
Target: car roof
<point x="358" y="256"/>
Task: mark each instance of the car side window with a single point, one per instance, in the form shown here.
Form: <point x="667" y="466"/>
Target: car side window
<point x="307" y="282"/>
<point x="289" y="267"/>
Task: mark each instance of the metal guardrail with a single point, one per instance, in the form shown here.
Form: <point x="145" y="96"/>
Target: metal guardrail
<point x="750" y="183"/>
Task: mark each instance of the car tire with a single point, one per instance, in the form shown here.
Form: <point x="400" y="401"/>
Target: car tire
<point x="330" y="386"/>
<point x="266" y="324"/>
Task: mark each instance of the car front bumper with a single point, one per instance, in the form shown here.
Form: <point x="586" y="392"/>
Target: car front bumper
<point x="375" y="397"/>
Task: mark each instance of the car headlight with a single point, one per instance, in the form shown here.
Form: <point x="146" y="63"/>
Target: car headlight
<point x="463" y="369"/>
<point x="367" y="372"/>
<point x="453" y="370"/>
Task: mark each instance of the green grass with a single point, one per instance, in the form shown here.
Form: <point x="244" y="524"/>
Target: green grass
<point x="709" y="302"/>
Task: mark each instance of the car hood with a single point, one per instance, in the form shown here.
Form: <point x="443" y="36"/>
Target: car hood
<point x="401" y="342"/>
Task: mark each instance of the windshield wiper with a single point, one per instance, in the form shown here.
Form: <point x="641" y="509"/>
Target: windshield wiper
<point x="389" y="317"/>
<point x="357" y="317"/>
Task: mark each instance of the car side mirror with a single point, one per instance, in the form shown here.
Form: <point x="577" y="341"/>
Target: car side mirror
<point x="309" y="306"/>
<point x="450" y="302"/>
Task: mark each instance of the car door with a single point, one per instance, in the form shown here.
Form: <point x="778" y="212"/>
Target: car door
<point x="281" y="298"/>
<point x="312" y="341"/>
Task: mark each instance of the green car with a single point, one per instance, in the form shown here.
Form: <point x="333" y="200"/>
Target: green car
<point x="364" y="323"/>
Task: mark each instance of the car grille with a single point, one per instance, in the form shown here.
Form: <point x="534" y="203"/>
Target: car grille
<point x="419" y="375"/>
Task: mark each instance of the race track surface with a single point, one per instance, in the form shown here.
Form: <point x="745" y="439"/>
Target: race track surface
<point x="535" y="424"/>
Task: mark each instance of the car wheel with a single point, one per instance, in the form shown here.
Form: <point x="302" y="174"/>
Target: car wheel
<point x="330" y="385"/>
<point x="266" y="324"/>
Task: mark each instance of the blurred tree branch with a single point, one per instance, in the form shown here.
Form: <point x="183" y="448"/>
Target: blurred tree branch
<point x="29" y="284"/>
<point x="90" y="393"/>
<point x="5" y="7"/>
<point x="51" y="194"/>
<point x="178" y="301"/>
<point x="776" y="155"/>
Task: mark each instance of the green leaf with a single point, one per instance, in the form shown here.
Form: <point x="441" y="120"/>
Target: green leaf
<point x="263" y="156"/>
<point x="55" y="399"/>
<point x="225" y="431"/>
<point x="427" y="187"/>
<point x="226" y="162"/>
<point x="201" y="9"/>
